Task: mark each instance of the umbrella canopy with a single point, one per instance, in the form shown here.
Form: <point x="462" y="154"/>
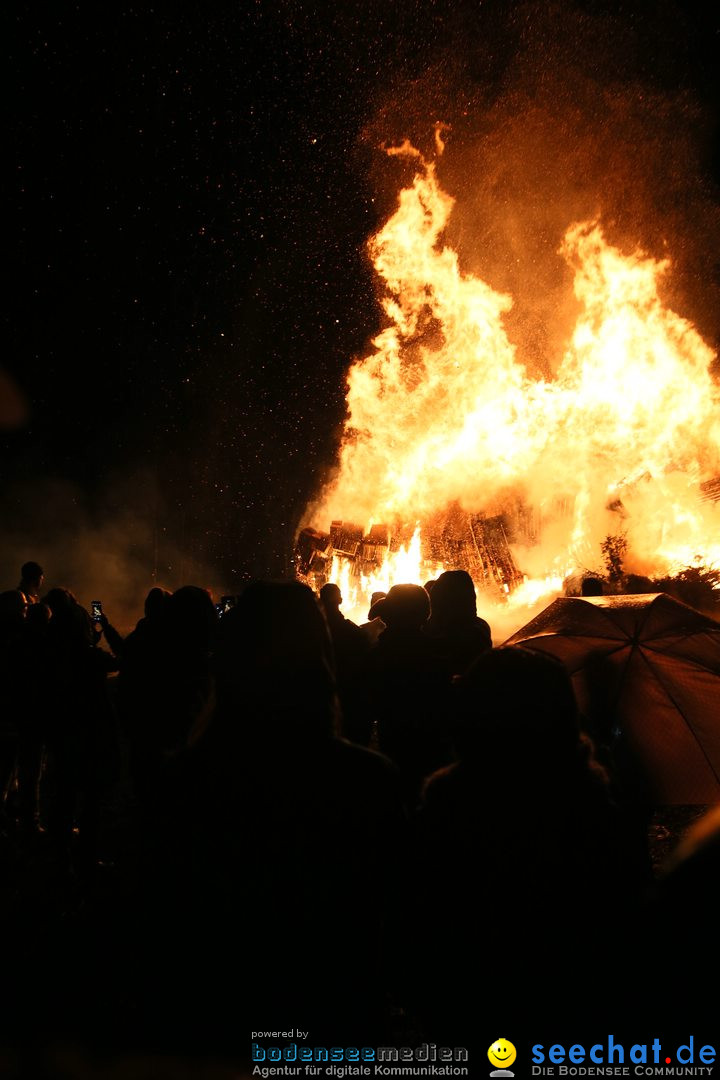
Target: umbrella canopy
<point x="646" y="667"/>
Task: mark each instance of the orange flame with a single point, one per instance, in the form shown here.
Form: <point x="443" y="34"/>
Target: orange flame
<point x="442" y="410"/>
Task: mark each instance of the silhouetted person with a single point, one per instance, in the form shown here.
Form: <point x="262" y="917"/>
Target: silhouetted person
<point x="373" y="628"/>
<point x="35" y="709"/>
<point x="143" y="642"/>
<point x="113" y="637"/>
<point x="166" y="685"/>
<point x="458" y="634"/>
<point x="140" y="691"/>
<point x="351" y="647"/>
<point x="290" y="834"/>
<point x="541" y="868"/>
<point x="31" y="579"/>
<point x="12" y="625"/>
<point x="80" y="732"/>
<point x="408" y="683"/>
<point x="591" y="586"/>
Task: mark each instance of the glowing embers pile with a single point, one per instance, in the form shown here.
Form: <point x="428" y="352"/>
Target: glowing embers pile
<point x="363" y="562"/>
<point x="442" y="413"/>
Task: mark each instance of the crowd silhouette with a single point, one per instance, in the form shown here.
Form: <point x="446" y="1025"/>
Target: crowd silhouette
<point x="274" y="815"/>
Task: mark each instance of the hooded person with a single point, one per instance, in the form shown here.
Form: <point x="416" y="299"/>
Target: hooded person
<point x="458" y="634"/>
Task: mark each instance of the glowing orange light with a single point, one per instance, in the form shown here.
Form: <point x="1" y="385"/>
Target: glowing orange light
<point x="442" y="410"/>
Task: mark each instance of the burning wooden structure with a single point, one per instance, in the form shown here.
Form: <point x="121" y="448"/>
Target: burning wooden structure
<point x="445" y="411"/>
<point x="453" y="540"/>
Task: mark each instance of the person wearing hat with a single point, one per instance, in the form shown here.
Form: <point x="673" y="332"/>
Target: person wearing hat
<point x="373" y="628"/>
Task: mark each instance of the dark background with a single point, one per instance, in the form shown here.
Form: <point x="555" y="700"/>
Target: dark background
<point x="190" y="192"/>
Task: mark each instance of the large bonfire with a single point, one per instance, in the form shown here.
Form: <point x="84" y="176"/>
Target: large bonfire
<point x="453" y="455"/>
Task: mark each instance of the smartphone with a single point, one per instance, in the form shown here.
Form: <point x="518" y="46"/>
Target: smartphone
<point x="96" y="610"/>
<point x="225" y="604"/>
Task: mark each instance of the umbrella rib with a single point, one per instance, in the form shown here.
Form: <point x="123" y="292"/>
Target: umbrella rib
<point x="655" y="645"/>
<point x="633" y="646"/>
<point x="668" y="692"/>
<point x="616" y="629"/>
<point x="698" y="665"/>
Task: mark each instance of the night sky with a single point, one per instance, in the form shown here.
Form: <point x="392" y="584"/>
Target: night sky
<point x="190" y="195"/>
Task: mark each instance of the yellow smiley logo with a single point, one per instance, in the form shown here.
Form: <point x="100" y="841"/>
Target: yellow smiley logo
<point x="502" y="1053"/>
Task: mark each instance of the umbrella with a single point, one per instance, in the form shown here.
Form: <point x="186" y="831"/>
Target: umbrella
<point x="647" y="668"/>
